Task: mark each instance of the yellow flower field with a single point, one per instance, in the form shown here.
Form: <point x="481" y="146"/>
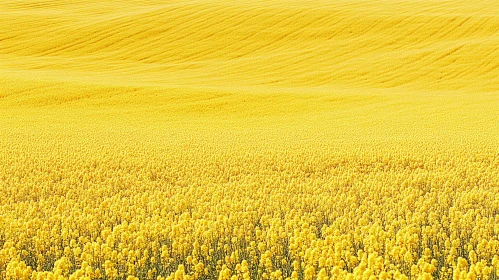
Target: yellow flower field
<point x="221" y="139"/>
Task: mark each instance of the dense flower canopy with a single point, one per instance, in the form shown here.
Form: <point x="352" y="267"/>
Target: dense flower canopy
<point x="249" y="213"/>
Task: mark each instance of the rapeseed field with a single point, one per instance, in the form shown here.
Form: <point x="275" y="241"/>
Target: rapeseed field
<point x="221" y="139"/>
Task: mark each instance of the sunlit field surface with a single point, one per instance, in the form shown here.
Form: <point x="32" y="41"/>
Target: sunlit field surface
<point x="254" y="139"/>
